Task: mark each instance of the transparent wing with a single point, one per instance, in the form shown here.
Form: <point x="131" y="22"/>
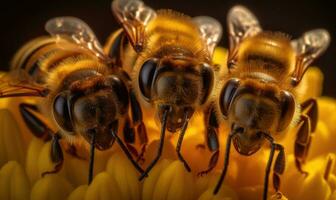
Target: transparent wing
<point x="76" y="31"/>
<point x="18" y="84"/>
<point x="133" y="15"/>
<point x="241" y="24"/>
<point x="308" y="47"/>
<point x="210" y="29"/>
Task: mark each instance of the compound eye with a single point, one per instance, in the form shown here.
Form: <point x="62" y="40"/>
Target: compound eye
<point x="226" y="96"/>
<point x="287" y="110"/>
<point x="146" y="77"/>
<point x="120" y="89"/>
<point x="61" y="112"/>
<point x="207" y="80"/>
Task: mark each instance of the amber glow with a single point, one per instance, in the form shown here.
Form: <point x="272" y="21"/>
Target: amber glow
<point x="23" y="158"/>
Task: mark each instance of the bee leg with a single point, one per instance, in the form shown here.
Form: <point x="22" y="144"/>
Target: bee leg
<point x="310" y="109"/>
<point x="56" y="155"/>
<point x="179" y="143"/>
<point x="159" y="152"/>
<point x="42" y="131"/>
<point x="279" y="167"/>
<point x="129" y="137"/>
<point x="34" y="123"/>
<point x="226" y="162"/>
<point x="302" y="143"/>
<point x="212" y="139"/>
<point x="138" y="124"/>
<point x="306" y="127"/>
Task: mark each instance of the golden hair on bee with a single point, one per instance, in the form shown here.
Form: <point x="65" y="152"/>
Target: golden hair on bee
<point x="259" y="100"/>
<point x="270" y="51"/>
<point x="83" y="91"/>
<point x="172" y="71"/>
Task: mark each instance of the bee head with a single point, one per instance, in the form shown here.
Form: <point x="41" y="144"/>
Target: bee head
<point x="93" y="104"/>
<point x="178" y="82"/>
<point x="255" y="111"/>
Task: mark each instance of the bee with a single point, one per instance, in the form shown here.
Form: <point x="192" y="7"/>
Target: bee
<point x="172" y="69"/>
<point x="259" y="98"/>
<point x="84" y="92"/>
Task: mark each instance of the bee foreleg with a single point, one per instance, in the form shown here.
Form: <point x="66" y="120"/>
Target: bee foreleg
<point x="138" y="124"/>
<point x="34" y="123"/>
<point x="274" y="146"/>
<point x="56" y="155"/>
<point x="129" y="135"/>
<point x="279" y="167"/>
<point x="310" y="108"/>
<point x="212" y="139"/>
<point x="302" y="143"/>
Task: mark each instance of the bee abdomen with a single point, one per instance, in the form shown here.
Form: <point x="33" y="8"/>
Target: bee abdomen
<point x="28" y="56"/>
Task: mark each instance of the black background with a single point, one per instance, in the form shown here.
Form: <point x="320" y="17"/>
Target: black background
<point x="21" y="21"/>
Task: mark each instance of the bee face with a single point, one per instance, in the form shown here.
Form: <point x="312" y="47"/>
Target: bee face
<point x="255" y="116"/>
<point x="176" y="82"/>
<point x="254" y="111"/>
<point x="170" y="81"/>
<point x="92" y="105"/>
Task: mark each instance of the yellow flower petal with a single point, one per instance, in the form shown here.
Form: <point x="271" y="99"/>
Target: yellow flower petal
<point x="327" y="112"/>
<point x="174" y="183"/>
<point x="332" y="196"/>
<point x="33" y="153"/>
<point x="14" y="183"/>
<point x="79" y="193"/>
<point x="315" y="187"/>
<point x="151" y="151"/>
<point x="125" y="175"/>
<point x="311" y="84"/>
<point x="225" y="193"/>
<point x="321" y="143"/>
<point x="11" y="144"/>
<point x="151" y="180"/>
<point x="44" y="162"/>
<point x="51" y="187"/>
<point x="103" y="187"/>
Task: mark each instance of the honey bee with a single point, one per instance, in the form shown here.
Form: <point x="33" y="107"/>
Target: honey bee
<point x="259" y="97"/>
<point x="84" y="92"/>
<point x="172" y="69"/>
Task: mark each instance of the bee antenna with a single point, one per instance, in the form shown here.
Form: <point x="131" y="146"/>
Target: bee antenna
<point x="92" y="152"/>
<point x="226" y="159"/>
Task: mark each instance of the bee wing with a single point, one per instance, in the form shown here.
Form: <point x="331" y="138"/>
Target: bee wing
<point x="77" y="31"/>
<point x="211" y="31"/>
<point x="308" y="47"/>
<point x="133" y="15"/>
<point x="17" y="83"/>
<point x="241" y="24"/>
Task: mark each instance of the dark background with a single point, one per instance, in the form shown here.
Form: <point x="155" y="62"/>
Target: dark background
<point x="21" y="21"/>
